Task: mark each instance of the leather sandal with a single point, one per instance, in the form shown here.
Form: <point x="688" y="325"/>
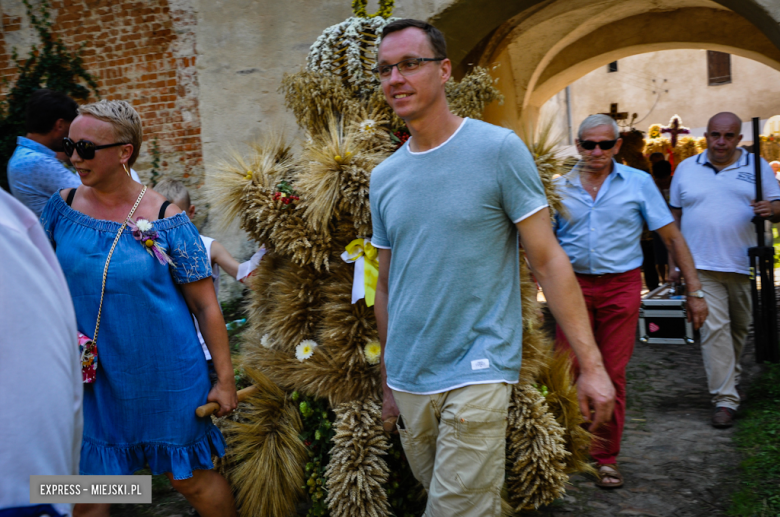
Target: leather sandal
<point x="609" y="471"/>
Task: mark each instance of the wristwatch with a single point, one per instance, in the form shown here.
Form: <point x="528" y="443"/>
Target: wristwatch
<point x="695" y="294"/>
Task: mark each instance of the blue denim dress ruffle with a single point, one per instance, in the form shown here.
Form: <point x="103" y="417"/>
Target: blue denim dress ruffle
<point x="152" y="373"/>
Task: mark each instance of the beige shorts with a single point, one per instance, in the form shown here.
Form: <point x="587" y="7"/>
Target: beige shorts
<point x="456" y="445"/>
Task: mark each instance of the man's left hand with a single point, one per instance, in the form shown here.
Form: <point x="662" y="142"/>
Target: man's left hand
<point x="763" y="209"/>
<point x="697" y="311"/>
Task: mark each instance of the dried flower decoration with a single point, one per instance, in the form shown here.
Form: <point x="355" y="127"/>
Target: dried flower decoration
<point x="373" y="351"/>
<point x="368" y="127"/>
<point x="266" y="341"/>
<point x="305" y="349"/>
<point x="287" y="194"/>
<point x="400" y="137"/>
<point x="144" y="232"/>
<point x="385" y="8"/>
<point x="654" y="131"/>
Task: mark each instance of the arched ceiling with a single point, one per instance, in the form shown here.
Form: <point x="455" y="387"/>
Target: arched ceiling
<point x="548" y="44"/>
<point x="587" y="53"/>
<point x="469" y="23"/>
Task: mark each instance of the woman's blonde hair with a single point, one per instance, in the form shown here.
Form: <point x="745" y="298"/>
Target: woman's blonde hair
<point x="125" y="120"/>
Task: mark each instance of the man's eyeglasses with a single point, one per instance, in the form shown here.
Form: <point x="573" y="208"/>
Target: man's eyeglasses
<point x="405" y="67"/>
<point x="590" y="145"/>
<point x="85" y="148"/>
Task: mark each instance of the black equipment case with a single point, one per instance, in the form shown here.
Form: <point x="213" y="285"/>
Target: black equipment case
<point x="663" y="318"/>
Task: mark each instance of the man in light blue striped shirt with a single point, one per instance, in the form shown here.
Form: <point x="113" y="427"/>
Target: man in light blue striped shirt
<point x="608" y="203"/>
<point x="34" y="173"/>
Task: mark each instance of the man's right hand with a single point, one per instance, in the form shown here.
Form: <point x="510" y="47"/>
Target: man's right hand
<point x="595" y="389"/>
<point x="390" y="411"/>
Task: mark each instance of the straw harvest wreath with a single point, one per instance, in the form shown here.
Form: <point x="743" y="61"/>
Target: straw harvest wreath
<point x="312" y="432"/>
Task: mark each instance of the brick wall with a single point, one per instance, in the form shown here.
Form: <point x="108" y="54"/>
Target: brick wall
<point x="142" y="52"/>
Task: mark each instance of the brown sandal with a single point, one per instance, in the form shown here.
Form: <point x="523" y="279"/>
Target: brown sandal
<point x="609" y="471"/>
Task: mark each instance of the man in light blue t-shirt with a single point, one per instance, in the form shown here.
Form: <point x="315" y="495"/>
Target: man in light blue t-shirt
<point x="447" y="209"/>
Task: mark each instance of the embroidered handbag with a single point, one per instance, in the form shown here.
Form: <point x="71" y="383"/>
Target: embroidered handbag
<point x="88" y="346"/>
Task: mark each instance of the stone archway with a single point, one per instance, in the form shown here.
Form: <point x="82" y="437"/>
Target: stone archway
<point x="540" y="46"/>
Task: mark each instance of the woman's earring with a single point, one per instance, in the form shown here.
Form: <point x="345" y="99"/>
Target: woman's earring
<point x="127" y="171"/>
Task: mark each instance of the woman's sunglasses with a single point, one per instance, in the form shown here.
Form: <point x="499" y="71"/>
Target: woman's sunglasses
<point x="590" y="145"/>
<point x="85" y="148"/>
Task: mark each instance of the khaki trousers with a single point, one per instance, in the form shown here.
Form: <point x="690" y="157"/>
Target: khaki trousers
<point x="456" y="446"/>
<point x="724" y="332"/>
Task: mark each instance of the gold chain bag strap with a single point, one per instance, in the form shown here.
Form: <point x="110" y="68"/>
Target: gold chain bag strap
<point x="89" y="351"/>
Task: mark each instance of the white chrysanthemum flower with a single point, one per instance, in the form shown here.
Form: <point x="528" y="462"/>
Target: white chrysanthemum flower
<point x="368" y="127"/>
<point x="266" y="341"/>
<point x="373" y="351"/>
<point x="305" y="349"/>
<point x="144" y="225"/>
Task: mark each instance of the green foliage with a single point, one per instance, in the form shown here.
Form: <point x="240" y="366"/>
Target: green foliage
<point x="317" y="435"/>
<point x="233" y="309"/>
<point x="758" y="437"/>
<point x="234" y="314"/>
<point x="50" y="64"/>
<point x="404" y="493"/>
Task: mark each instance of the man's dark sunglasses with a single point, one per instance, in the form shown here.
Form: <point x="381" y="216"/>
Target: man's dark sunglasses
<point x="85" y="148"/>
<point x="590" y="145"/>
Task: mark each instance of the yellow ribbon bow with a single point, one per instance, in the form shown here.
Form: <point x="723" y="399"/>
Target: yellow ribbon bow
<point x="365" y="257"/>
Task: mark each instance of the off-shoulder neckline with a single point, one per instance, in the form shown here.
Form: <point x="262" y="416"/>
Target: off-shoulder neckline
<point x="103" y="225"/>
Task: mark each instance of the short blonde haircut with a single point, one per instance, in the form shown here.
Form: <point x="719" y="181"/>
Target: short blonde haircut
<point x="125" y="120"/>
<point x="174" y="191"/>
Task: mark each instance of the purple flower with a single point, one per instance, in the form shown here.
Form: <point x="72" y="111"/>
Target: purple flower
<point x="144" y="232"/>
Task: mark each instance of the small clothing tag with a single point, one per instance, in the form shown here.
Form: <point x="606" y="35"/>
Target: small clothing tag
<point x="480" y="364"/>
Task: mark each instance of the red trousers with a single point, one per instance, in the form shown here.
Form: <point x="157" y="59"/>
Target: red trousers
<point x="613" y="305"/>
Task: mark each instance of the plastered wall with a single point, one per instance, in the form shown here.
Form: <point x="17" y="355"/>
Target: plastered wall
<point x="659" y="85"/>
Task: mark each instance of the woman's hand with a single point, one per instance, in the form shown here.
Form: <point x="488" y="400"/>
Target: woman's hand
<point x="202" y="301"/>
<point x="224" y="394"/>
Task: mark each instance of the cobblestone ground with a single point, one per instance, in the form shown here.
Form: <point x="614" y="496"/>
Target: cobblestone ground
<point x="675" y="464"/>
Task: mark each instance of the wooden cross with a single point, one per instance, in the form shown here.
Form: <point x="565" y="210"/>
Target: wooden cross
<point x="613" y="112"/>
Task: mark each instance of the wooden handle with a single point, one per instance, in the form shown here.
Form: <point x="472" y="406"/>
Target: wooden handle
<point x="389" y="424"/>
<point x="213" y="407"/>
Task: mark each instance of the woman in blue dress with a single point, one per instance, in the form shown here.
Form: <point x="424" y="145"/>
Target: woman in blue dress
<point x="151" y="373"/>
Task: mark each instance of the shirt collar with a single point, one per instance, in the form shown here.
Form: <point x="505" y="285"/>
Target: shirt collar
<point x="35" y="146"/>
<point x="573" y="176"/>
<point x="742" y="161"/>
